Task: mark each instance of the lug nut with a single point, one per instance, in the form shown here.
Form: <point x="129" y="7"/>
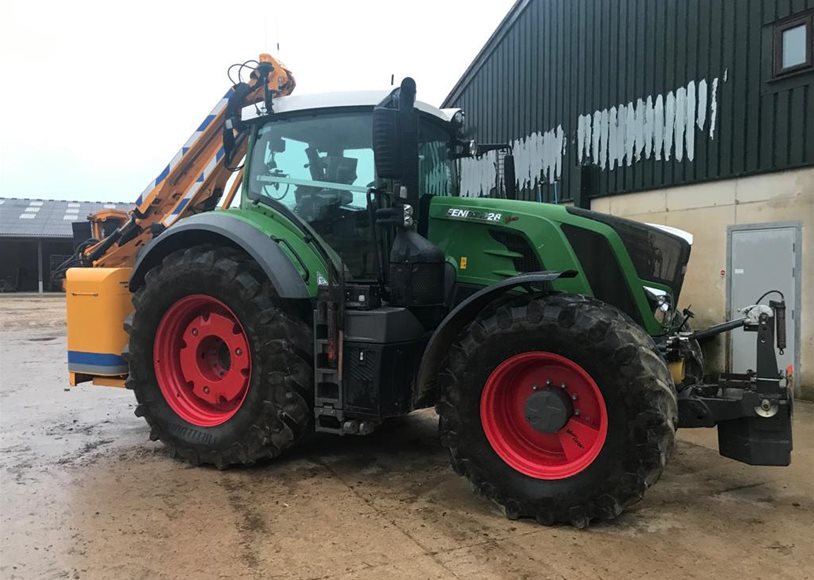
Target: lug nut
<point x="238" y="351"/>
<point x="548" y="383"/>
<point x="562" y="386"/>
<point x="194" y="332"/>
<point x="576" y="412"/>
<point x="535" y="387"/>
<point x="573" y="397"/>
<point x="206" y="390"/>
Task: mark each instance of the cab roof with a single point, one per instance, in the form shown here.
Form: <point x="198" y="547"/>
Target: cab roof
<point x="337" y="100"/>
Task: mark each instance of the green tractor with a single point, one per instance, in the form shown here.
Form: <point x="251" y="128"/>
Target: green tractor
<point x="353" y="284"/>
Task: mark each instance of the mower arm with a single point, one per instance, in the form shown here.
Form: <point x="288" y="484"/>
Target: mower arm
<point x="195" y="179"/>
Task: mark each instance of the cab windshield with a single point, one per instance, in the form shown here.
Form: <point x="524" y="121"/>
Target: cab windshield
<point x="314" y="164"/>
<point x="321" y="167"/>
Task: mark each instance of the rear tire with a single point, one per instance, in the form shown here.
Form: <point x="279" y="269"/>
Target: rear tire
<point x="520" y="468"/>
<point x="266" y="408"/>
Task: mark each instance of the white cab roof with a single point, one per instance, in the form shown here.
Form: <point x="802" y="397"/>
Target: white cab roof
<point x="333" y="100"/>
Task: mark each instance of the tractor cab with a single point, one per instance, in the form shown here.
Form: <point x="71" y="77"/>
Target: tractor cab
<point x="314" y="157"/>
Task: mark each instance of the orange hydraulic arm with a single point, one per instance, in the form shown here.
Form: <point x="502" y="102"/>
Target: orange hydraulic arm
<point x="195" y="179"/>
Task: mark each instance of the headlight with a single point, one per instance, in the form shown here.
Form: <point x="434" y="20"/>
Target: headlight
<point x="408" y="215"/>
<point x="661" y="302"/>
<point x="662" y="313"/>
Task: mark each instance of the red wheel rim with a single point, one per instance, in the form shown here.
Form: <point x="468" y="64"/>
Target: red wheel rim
<point x="202" y="360"/>
<point x="556" y="455"/>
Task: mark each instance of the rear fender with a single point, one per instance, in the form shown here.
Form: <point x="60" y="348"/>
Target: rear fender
<point x="461" y="316"/>
<point x="220" y="228"/>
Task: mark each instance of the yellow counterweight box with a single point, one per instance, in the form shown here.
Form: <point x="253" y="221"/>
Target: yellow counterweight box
<point x="97" y="301"/>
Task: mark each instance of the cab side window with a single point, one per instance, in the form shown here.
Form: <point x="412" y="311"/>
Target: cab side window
<point x="320" y="168"/>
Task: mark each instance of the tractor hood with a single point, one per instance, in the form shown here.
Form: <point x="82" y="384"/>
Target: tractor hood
<point x="622" y="262"/>
<point x="659" y="253"/>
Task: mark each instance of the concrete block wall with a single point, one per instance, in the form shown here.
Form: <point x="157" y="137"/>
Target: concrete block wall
<point x="706" y="210"/>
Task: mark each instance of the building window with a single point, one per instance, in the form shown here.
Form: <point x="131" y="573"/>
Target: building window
<point x="793" y="45"/>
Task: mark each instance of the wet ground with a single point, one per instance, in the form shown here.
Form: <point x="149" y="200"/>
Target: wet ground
<point x="85" y="495"/>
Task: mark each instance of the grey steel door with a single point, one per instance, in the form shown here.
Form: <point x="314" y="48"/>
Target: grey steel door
<point x="761" y="258"/>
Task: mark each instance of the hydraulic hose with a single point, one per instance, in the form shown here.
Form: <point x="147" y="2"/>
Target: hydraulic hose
<point x="718" y="329"/>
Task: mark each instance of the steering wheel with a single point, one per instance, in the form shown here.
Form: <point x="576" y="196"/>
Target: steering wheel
<point x="276" y="186"/>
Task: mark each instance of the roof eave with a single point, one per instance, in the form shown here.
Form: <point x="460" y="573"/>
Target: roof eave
<point x="511" y="16"/>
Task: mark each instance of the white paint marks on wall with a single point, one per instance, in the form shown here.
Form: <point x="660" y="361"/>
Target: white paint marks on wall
<point x="537" y="158"/>
<point x="662" y="126"/>
<point x="611" y="152"/>
<point x="691" y="119"/>
<point x="680" y="122"/>
<point x="713" y="108"/>
<point x="702" y="104"/>
<point x="584" y="137"/>
<point x="597" y="135"/>
<point x="478" y="175"/>
<point x="658" y="128"/>
<point x="669" y="124"/>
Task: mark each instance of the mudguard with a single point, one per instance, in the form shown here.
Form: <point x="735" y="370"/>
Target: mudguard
<point x="462" y="315"/>
<point x="220" y="228"/>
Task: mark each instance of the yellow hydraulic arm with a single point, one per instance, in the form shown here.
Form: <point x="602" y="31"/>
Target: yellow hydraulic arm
<point x="98" y="299"/>
<point x="195" y="179"/>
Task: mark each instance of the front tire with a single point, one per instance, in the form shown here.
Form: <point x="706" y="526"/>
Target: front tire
<point x="571" y="453"/>
<point x="221" y="371"/>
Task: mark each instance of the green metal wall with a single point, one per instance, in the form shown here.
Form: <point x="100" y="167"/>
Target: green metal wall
<point x="551" y="61"/>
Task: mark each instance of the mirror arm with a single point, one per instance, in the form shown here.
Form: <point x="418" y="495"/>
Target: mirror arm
<point x="482" y="148"/>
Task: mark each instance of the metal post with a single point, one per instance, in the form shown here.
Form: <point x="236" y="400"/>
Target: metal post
<point x="39" y="262"/>
<point x="588" y="186"/>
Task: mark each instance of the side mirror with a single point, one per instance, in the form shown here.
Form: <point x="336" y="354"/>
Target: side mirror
<point x="386" y="142"/>
<point x="277" y="145"/>
<point x="509" y="180"/>
<point x="395" y="138"/>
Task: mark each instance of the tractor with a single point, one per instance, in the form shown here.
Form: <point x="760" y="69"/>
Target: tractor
<point x="352" y="283"/>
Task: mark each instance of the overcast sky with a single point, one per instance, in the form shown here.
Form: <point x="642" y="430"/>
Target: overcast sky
<point x="98" y="96"/>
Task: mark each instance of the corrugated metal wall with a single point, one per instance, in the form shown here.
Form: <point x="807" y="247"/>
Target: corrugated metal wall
<point x="553" y="61"/>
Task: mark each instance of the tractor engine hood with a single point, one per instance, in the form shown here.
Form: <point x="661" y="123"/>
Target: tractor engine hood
<point x="634" y="266"/>
<point x="659" y="253"/>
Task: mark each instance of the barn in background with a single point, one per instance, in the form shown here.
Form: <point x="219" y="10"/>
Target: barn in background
<point x="36" y="237"/>
<point x="697" y="114"/>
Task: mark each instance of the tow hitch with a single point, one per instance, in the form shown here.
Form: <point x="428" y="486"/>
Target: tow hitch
<point x="751" y="410"/>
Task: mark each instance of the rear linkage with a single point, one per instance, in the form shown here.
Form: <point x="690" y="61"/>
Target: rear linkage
<point x="752" y="410"/>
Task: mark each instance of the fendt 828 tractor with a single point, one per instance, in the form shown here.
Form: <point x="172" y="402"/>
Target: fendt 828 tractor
<point x="352" y="283"/>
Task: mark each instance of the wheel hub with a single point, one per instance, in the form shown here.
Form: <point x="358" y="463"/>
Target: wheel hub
<point x="202" y="360"/>
<point x="213" y="357"/>
<point x="552" y="432"/>
<point x="548" y="410"/>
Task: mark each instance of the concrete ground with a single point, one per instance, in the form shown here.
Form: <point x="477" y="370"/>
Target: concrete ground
<point x="84" y="494"/>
